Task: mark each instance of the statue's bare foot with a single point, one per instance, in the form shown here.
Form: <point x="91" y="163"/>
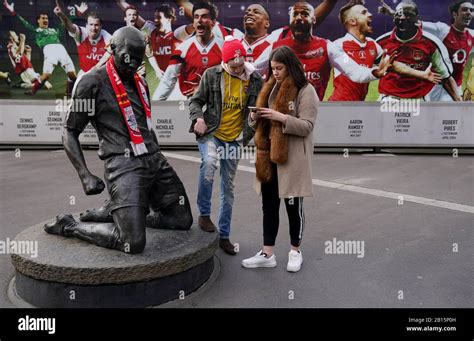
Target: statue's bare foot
<point x="62" y="226"/>
<point x="99" y="215"/>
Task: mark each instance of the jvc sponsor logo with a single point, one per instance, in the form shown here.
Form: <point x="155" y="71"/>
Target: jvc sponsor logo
<point x="163" y="51"/>
<point x="95" y="56"/>
<point x="37" y="324"/>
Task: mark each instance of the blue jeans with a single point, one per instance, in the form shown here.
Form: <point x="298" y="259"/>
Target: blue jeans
<point x="227" y="155"/>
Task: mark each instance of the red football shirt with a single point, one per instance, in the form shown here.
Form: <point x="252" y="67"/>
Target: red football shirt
<point x="314" y="57"/>
<point x="195" y="59"/>
<point x="459" y="45"/>
<point x="364" y="54"/>
<point x="90" y="51"/>
<point x="23" y="65"/>
<point x="255" y="49"/>
<point x="163" y="46"/>
<point x="20" y="63"/>
<point x="418" y="53"/>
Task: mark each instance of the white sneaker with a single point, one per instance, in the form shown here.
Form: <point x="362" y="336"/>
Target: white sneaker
<point x="295" y="259"/>
<point x="260" y="261"/>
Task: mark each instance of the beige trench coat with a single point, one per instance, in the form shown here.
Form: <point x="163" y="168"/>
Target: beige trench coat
<point x="295" y="176"/>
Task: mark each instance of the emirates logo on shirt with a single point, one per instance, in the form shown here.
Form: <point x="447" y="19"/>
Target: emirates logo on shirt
<point x="418" y="55"/>
<point x="362" y="55"/>
<point x="315" y="53"/>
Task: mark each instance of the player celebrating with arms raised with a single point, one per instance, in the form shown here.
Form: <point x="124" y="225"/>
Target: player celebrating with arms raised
<point x="457" y="38"/>
<point x="54" y="52"/>
<point x="419" y="50"/>
<point x="357" y="20"/>
<point x="91" y="40"/>
<point x="318" y="54"/>
<point x="193" y="56"/>
<point x="20" y="57"/>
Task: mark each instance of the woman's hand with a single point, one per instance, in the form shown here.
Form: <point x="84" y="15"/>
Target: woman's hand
<point x="254" y="115"/>
<point x="271" y="114"/>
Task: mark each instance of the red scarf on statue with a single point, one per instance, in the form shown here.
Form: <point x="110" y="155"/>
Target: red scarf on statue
<point x="136" y="139"/>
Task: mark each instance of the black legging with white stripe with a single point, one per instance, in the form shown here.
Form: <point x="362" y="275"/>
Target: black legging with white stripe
<point x="271" y="214"/>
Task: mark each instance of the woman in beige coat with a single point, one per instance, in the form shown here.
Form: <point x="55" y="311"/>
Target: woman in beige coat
<point x="284" y="119"/>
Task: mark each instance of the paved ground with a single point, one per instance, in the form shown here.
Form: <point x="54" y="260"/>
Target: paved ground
<point x="408" y="262"/>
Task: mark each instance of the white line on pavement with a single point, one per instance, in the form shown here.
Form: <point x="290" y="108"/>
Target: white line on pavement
<point x="356" y="189"/>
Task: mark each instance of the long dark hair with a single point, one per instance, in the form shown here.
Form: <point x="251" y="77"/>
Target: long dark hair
<point x="286" y="56"/>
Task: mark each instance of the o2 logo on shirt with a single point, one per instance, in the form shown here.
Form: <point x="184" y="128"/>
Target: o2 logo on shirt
<point x="460" y="56"/>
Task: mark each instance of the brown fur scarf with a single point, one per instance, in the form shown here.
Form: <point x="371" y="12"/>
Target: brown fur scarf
<point x="271" y="143"/>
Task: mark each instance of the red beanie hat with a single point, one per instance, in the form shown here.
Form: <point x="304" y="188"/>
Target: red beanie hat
<point x="231" y="49"/>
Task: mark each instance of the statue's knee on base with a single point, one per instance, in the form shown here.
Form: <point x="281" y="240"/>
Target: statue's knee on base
<point x="131" y="226"/>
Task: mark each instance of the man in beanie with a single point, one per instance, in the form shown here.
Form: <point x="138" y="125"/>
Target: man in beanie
<point x="218" y="129"/>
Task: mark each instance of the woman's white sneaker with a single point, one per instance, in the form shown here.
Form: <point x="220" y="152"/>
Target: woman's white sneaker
<point x="295" y="259"/>
<point x="260" y="260"/>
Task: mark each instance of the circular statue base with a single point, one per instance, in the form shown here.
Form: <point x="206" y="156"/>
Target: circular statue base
<point x="70" y="273"/>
